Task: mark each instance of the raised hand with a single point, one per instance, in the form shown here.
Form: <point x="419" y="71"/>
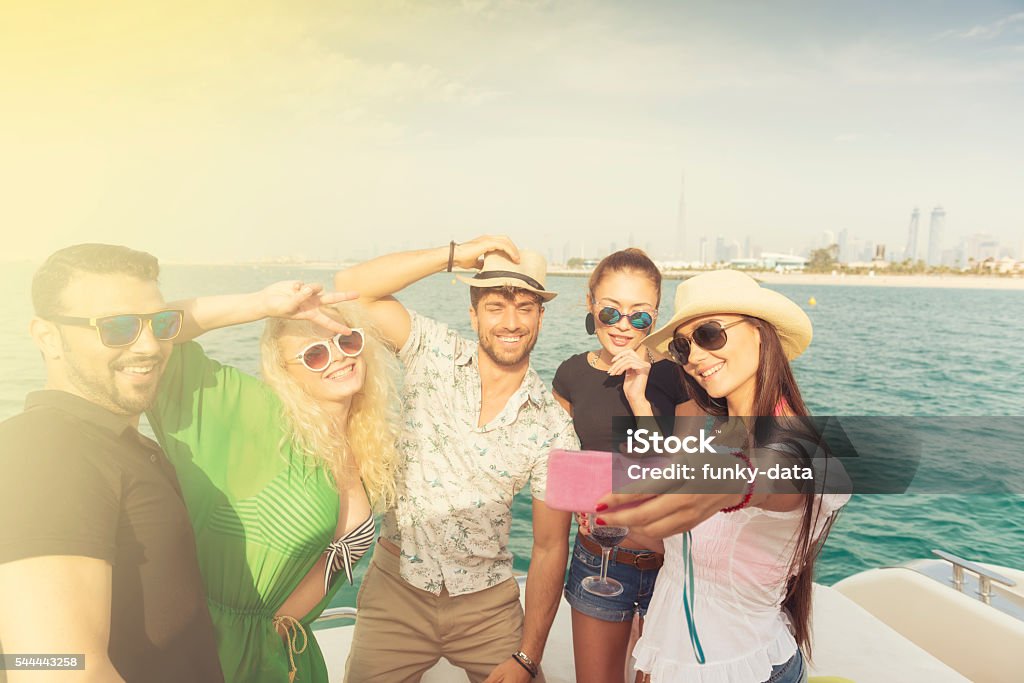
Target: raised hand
<point x="471" y="254"/>
<point x="298" y="300"/>
<point x="637" y="370"/>
<point x="660" y="516"/>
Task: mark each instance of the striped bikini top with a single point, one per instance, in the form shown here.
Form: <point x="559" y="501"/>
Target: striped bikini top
<point x="344" y="552"/>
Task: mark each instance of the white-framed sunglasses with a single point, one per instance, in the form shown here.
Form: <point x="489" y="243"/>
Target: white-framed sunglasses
<point x="318" y="356"/>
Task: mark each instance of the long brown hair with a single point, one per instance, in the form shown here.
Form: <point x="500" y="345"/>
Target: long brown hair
<point x="775" y="392"/>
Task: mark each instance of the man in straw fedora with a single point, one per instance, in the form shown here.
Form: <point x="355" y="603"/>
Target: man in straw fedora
<point x="478" y="423"/>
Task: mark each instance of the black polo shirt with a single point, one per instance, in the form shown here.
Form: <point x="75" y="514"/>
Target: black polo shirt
<point x="76" y="479"/>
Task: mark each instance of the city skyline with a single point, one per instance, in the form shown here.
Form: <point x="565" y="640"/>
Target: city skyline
<point x="710" y="249"/>
<point x="249" y="131"/>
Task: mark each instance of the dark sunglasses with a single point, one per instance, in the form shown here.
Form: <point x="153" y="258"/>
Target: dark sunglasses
<point x="640" y="320"/>
<point x="709" y="336"/>
<point x="318" y="356"/>
<point x="116" y="331"/>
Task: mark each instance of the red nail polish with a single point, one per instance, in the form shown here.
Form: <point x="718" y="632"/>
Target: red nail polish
<point x="599" y="521"/>
<point x="601" y="507"/>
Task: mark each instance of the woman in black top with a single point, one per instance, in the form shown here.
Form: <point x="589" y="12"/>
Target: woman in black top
<point x="622" y="301"/>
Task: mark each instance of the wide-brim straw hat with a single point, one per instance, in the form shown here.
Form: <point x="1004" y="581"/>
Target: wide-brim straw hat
<point x="730" y="291"/>
<point x="500" y="271"/>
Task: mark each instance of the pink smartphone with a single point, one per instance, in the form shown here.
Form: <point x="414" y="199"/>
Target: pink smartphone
<point x="577" y="479"/>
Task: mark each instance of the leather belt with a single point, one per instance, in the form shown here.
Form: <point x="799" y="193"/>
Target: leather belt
<point x="641" y="559"/>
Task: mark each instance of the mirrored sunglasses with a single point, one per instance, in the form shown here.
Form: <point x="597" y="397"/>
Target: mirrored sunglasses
<point x="640" y="320"/>
<point x="124" y="330"/>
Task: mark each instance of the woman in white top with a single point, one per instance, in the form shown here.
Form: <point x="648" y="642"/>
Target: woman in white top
<point x="733" y="601"/>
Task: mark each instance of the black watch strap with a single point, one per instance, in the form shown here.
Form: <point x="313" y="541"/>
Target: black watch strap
<point x="533" y="674"/>
<point x="525" y="661"/>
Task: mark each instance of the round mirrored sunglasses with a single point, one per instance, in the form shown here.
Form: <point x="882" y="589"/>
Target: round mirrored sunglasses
<point x="640" y="320"/>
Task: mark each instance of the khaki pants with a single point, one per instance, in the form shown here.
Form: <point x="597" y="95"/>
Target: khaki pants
<point x="402" y="631"/>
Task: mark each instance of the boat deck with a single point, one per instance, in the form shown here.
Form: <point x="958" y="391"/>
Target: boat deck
<point x="848" y="642"/>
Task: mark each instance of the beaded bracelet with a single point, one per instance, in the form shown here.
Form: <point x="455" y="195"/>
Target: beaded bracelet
<point x="750" y="487"/>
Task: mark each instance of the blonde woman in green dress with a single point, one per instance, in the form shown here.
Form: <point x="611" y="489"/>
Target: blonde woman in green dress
<point x="280" y="475"/>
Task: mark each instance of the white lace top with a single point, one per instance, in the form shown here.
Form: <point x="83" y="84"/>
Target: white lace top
<point x="741" y="561"/>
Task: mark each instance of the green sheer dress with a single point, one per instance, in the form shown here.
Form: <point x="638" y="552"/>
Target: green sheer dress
<point x="262" y="514"/>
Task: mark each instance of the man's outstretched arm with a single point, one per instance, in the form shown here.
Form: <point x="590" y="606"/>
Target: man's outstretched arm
<point x="544" y="583"/>
<point x="378" y="279"/>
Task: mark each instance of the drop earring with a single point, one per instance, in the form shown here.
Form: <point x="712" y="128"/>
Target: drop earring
<point x="590" y="324"/>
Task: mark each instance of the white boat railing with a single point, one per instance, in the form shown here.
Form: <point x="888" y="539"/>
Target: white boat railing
<point x="985" y="575"/>
<point x="973" y="581"/>
<point x="332" y="614"/>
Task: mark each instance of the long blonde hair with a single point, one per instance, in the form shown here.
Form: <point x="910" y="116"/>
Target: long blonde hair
<point x="366" y="444"/>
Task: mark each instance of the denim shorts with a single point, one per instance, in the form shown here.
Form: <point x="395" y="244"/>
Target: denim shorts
<point x="637" y="585"/>
<point x="790" y="671"/>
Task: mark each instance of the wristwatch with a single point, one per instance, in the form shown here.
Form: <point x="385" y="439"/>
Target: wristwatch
<point x="528" y="664"/>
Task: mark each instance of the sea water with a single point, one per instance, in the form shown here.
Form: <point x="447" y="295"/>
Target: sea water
<point x="876" y="351"/>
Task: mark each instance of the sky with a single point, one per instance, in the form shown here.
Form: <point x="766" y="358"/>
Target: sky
<point x="231" y="131"/>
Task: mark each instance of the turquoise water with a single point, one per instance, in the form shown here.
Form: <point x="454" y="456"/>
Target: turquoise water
<point x="876" y="351"/>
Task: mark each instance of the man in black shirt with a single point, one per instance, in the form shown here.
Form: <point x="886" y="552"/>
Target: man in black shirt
<point x="97" y="555"/>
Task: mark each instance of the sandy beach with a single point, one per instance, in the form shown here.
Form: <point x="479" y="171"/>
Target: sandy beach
<point x="819" y="279"/>
<point x="791" y="278"/>
<point x="934" y="281"/>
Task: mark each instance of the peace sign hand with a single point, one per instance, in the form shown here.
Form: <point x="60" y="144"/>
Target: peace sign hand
<point x="298" y="300"/>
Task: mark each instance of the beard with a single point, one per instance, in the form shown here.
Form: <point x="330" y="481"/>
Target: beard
<point x="99" y="383"/>
<point x="503" y="356"/>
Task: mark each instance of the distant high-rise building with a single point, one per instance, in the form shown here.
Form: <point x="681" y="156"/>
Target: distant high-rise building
<point x="748" y="251"/>
<point x="912" y="237"/>
<point x="844" y="254"/>
<point x="679" y="250"/>
<point x="867" y="252"/>
<point x="703" y="255"/>
<point x="935" y="226"/>
<point x="861" y="251"/>
<point x="732" y="251"/>
<point x="981" y="246"/>
<point x="960" y="257"/>
<point x="720" y="254"/>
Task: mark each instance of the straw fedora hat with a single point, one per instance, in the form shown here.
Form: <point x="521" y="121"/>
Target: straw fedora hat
<point x="500" y="271"/>
<point x="730" y="291"/>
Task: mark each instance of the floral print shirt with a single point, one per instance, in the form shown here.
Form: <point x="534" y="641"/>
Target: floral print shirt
<point x="456" y="481"/>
